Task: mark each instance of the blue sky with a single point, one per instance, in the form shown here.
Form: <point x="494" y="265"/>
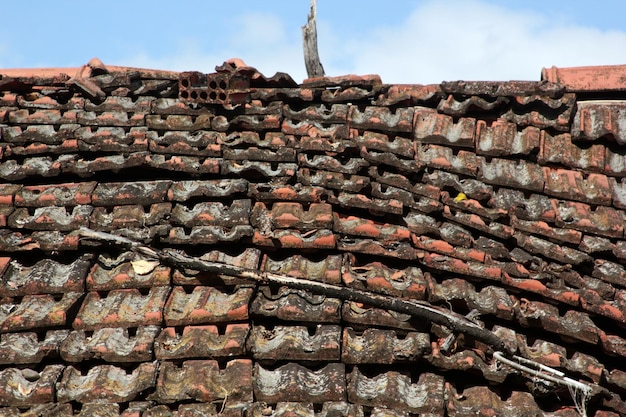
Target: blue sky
<point x="404" y="41"/>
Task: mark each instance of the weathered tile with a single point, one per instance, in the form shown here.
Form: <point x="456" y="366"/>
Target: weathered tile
<point x="327" y="269"/>
<point x="105" y="383"/>
<point x="27" y="387"/>
<point x="206" y="341"/>
<point x="212" y="214"/>
<point x="205" y="381"/>
<point x="293" y="382"/>
<point x="36" y="311"/>
<point x="26" y="347"/>
<point x="295" y="305"/>
<point x="295" y="343"/>
<point x="69" y="194"/>
<point x="122" y="308"/>
<point x="206" y="305"/>
<point x="111" y="344"/>
<point x="433" y="127"/>
<point x="382" y="346"/>
<point x="136" y="192"/>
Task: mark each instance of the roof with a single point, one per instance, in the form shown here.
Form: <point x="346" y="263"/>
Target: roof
<point x="502" y="201"/>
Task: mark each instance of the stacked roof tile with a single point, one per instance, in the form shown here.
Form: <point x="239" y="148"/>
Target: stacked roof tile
<point x="501" y="200"/>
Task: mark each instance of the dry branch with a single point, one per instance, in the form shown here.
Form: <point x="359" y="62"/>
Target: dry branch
<point x="312" y="62"/>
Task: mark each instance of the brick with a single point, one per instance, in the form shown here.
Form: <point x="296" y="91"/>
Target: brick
<point x="560" y="149"/>
<point x="22" y="388"/>
<point x="395" y="390"/>
<point x="206" y="341"/>
<point x="293" y="382"/>
<point x="138" y="192"/>
<point x="70" y="194"/>
<point x="26" y="347"/>
<point x="206" y="305"/>
<point x="121" y="308"/>
<point x="432" y="127"/>
<point x="205" y="381"/>
<point x="285" y="215"/>
<point x="124" y="217"/>
<point x="295" y="343"/>
<point x="511" y="173"/>
<point x="292" y="305"/>
<point x="504" y="139"/>
<point x="573" y="185"/>
<point x="50" y="218"/>
<point x="382" y="118"/>
<point x="382" y="346"/>
<point x="185" y="190"/>
<point x="327" y="269"/>
<point x="448" y="159"/>
<point x="110" y="344"/>
<point x="105" y="383"/>
<point x="36" y="312"/>
<point x="46" y="276"/>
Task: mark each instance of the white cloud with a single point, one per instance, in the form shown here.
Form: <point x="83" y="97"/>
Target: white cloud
<point x="473" y="40"/>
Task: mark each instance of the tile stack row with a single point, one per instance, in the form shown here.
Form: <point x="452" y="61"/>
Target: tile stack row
<point x="502" y="199"/>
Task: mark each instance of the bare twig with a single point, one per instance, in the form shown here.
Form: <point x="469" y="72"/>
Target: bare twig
<point x="314" y="67"/>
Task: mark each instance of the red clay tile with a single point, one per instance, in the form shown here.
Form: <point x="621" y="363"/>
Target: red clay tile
<point x="207" y="234"/>
<point x="123" y="217"/>
<point x="504" y="139"/>
<point x="121" y="308"/>
<point x="24" y="387"/>
<point x="356" y="226"/>
<point x="327" y="269"/>
<point x="573" y="185"/>
<point x="394" y="390"/>
<point x="36" y="311"/>
<point x="201" y="143"/>
<point x="206" y="305"/>
<point x="206" y="341"/>
<point x="27" y="347"/>
<point x="70" y="194"/>
<point x="400" y="250"/>
<point x="46" y="276"/>
<point x="592" y="78"/>
<point x="50" y="218"/>
<point x="265" y="169"/>
<point x="296" y="343"/>
<point x="511" y="173"/>
<point x="106" y="383"/>
<point x="109" y="344"/>
<point x="287" y="215"/>
<point x="212" y="214"/>
<point x="294" y="382"/>
<point x="126" y="271"/>
<point x="390" y="143"/>
<point x="333" y="180"/>
<point x="382" y="346"/>
<point x="119" y="193"/>
<point x="560" y="149"/>
<point x="448" y="159"/>
<point x="205" y="381"/>
<point x="185" y="190"/>
<point x="603" y="221"/>
<point x="597" y="119"/>
<point x="432" y="127"/>
<point x="343" y="81"/>
<point x="292" y="305"/>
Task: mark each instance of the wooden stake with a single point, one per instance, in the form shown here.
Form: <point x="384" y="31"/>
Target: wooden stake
<point x="312" y="62"/>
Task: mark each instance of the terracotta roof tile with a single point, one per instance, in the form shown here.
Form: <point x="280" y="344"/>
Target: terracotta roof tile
<point x="502" y="201"/>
